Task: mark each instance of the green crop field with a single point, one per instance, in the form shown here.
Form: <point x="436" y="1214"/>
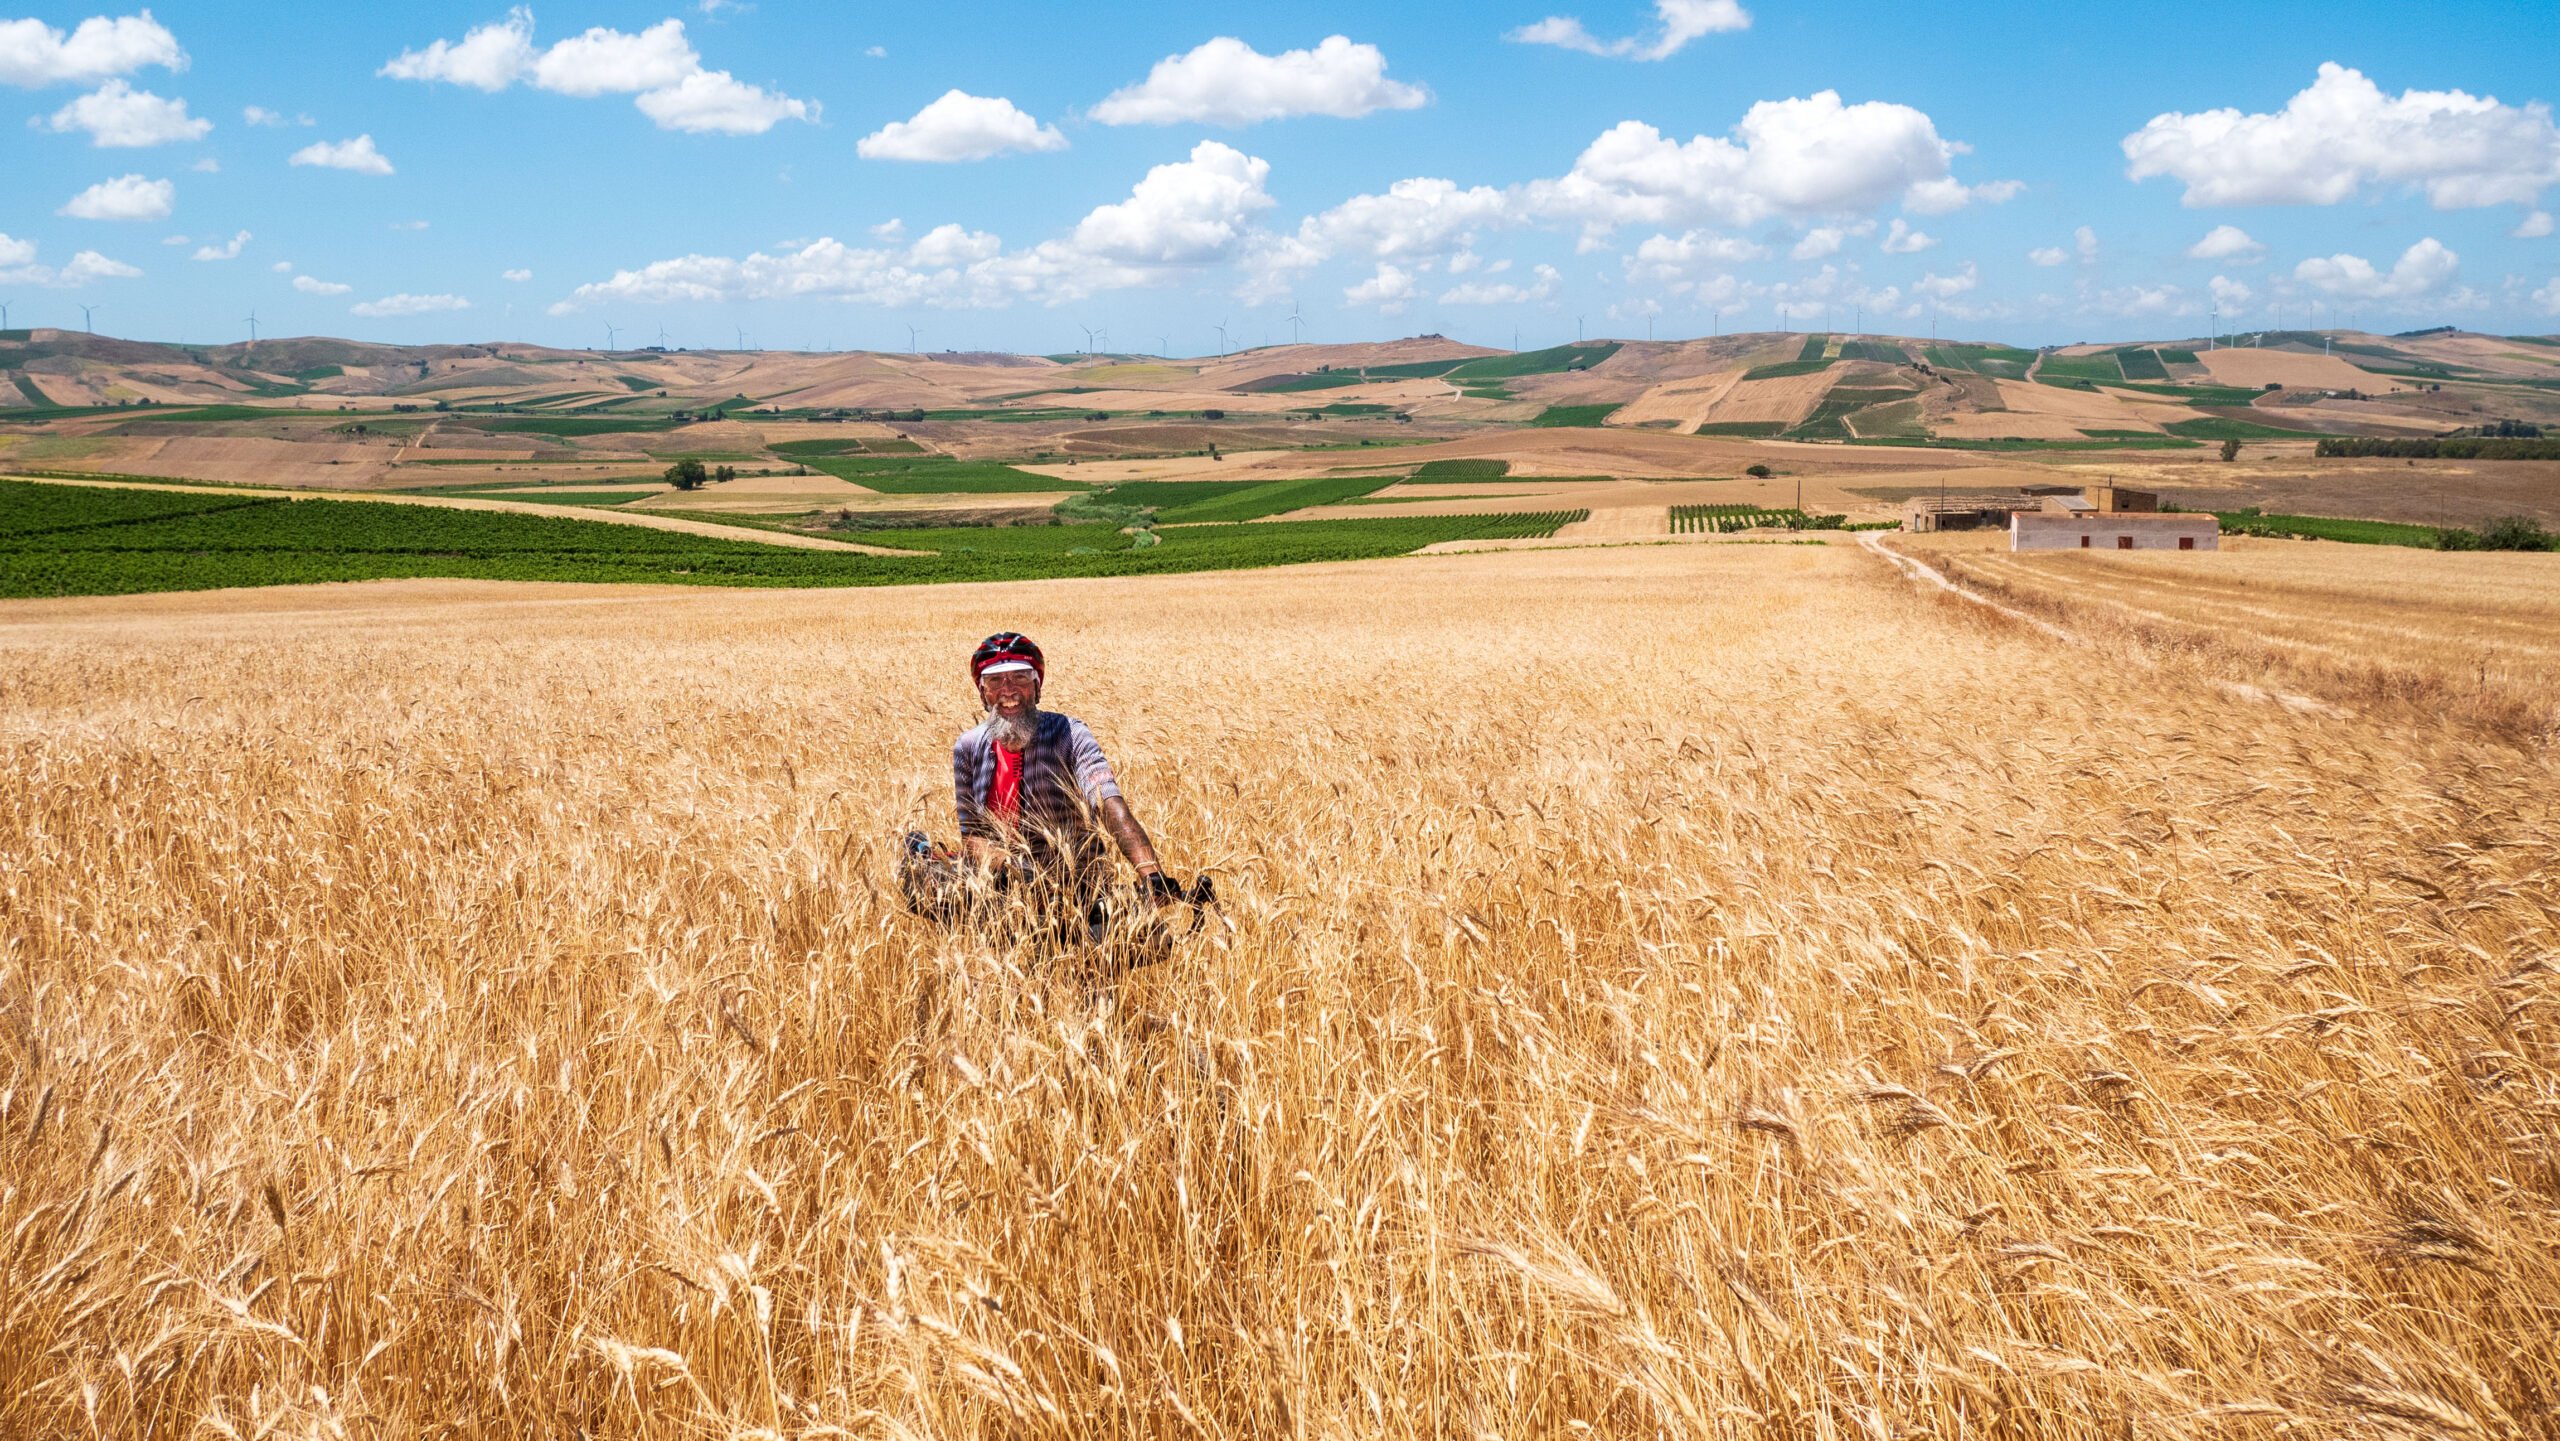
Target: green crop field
<point x="1875" y="350"/>
<point x="1462" y="470"/>
<point x="937" y="475"/>
<point x="1413" y="370"/>
<point x="2178" y="357"/>
<point x="95" y="541"/>
<point x="1724" y="519"/>
<point x="1785" y="368"/>
<point x="1750" y="429"/>
<point x="1555" y="416"/>
<point x="1816" y="347"/>
<point x="1552" y="361"/>
<point x="2141" y="365"/>
<point x="1329" y="380"/>
<point x="1999" y="361"/>
<point x="1277" y="498"/>
<point x="2099" y="369"/>
<point x="2217" y="428"/>
<point x="1170" y="494"/>
<point x="1353" y="409"/>
<point x="2321" y="527"/>
<point x="1824" y="422"/>
<point x="562" y="496"/>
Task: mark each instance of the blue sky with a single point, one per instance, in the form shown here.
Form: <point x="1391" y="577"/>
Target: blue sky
<point x="1005" y="175"/>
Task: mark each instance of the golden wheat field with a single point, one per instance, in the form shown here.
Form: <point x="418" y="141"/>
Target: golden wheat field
<point x="1679" y="991"/>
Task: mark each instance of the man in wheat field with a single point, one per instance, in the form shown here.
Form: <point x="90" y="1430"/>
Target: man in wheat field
<point x="1034" y="795"/>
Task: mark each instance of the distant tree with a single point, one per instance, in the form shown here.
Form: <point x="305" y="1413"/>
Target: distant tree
<point x="1213" y="415"/>
<point x="1757" y="472"/>
<point x="726" y="472"/>
<point x="2231" y="450"/>
<point x="2514" y="532"/>
<point x="687" y="474"/>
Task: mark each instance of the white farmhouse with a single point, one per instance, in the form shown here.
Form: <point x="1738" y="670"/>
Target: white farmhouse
<point x="2106" y="518"/>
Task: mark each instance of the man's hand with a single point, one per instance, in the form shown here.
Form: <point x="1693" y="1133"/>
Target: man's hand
<point x="1162" y="890"/>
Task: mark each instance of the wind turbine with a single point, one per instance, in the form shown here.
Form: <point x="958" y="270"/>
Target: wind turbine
<point x="85" y="322"/>
<point x="2213" y="324"/>
<point x="253" y="327"/>
<point x="742" y="337"/>
<point x="4" y="315"/>
<point x="662" y="337"/>
<point x="610" y="331"/>
<point x="1577" y="330"/>
<point x="1297" y="327"/>
<point x="912" y="333"/>
<point x="1088" y="340"/>
<point x="1163" y="343"/>
<point x="1221" y="328"/>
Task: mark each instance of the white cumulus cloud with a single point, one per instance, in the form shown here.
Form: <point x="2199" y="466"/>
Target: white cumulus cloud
<point x="18" y="267"/>
<point x="1181" y="217"/>
<point x="1825" y="240"/>
<point x="2227" y="242"/>
<point x="2085" y="240"/>
<point x="309" y="286"/>
<point x="2422" y="268"/>
<point x="2533" y="227"/>
<point x="1667" y="259"/>
<point x="1947" y="287"/>
<point x="960" y="126"/>
<point x="230" y="251"/>
<point x="1809" y="156"/>
<point x="658" y="66"/>
<point x="1903" y="240"/>
<point x="2343" y="133"/>
<point x="516" y="275"/>
<point x="357" y="155"/>
<point x="716" y="102"/>
<point x="1682" y="22"/>
<point x="127" y="197"/>
<point x="406" y="304"/>
<point x="34" y="54"/>
<point x="1227" y="82"/>
<point x="117" y="116"/>
<point x="261" y="116"/>
<point x="2548" y="297"/>
<point x="2047" y="255"/>
<point x="1391" y="289"/>
<point x="1477" y="292"/>
<point x="2230" y="296"/>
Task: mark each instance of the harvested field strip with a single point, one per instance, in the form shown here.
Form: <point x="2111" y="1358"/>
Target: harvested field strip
<point x="2406" y="634"/>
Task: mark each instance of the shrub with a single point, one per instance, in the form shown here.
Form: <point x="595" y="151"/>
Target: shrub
<point x="2514" y="532"/>
<point x="2231" y="449"/>
<point x="1757" y="472"/>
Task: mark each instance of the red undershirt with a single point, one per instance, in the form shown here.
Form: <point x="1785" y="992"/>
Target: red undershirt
<point x="1004" y="794"/>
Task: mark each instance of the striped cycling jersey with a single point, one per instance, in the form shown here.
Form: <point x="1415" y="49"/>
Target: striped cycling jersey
<point x="1064" y="781"/>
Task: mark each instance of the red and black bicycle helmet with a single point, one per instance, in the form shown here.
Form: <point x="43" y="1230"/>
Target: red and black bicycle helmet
<point x="1007" y="647"/>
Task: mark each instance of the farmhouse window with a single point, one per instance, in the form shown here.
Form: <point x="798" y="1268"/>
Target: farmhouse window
<point x="2084" y="542"/>
<point x="2186" y="542"/>
<point x="2124" y="542"/>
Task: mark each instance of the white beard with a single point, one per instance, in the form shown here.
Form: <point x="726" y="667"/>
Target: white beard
<point x="1013" y="733"/>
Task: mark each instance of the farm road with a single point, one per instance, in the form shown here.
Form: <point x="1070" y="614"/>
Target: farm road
<point x="447" y="502"/>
